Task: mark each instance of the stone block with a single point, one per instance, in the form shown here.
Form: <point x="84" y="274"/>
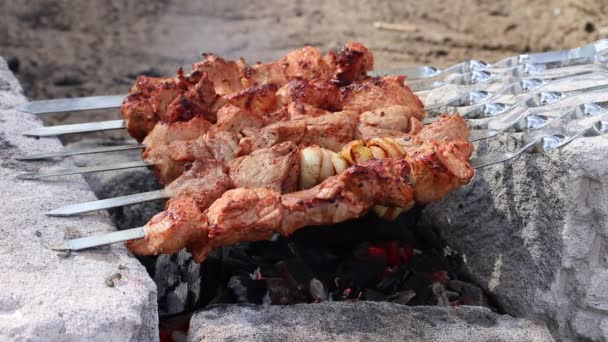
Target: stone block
<point x="360" y="321"/>
<point x="44" y="296"/>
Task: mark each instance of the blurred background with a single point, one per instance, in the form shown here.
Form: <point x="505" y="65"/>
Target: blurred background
<point x="75" y="48"/>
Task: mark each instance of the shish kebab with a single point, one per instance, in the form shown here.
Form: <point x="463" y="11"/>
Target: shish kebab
<point x="590" y="53"/>
<point x="546" y="60"/>
<point x="429" y="154"/>
<point x="451" y="159"/>
<point x="167" y="165"/>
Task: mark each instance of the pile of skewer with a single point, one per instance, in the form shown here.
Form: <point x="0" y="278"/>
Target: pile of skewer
<point x="508" y="97"/>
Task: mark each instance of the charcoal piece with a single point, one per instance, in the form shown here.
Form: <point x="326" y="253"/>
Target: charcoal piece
<point x="362" y="273"/>
<point x="403" y="297"/>
<point x="316" y="289"/>
<point x="247" y="290"/>
<point x="470" y="294"/>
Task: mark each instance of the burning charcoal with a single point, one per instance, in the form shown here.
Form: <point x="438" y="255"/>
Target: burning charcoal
<point x="453" y="296"/>
<point x="317" y="290"/>
<point x="265" y="291"/>
<point x="295" y="271"/>
<point x="346" y="290"/>
<point x="297" y="288"/>
<point x="280" y="292"/>
<point x="389" y="283"/>
<point x="362" y="273"/>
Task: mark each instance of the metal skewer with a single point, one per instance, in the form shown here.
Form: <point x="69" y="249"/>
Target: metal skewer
<point x="485" y="77"/>
<point x="539" y="145"/>
<point x="80" y="170"/>
<point x="76" y="128"/>
<point x="533" y="121"/>
<point x="80" y="208"/>
<point x="81" y="152"/>
<point x="72" y="104"/>
<point x="495" y="109"/>
<point x="514" y="88"/>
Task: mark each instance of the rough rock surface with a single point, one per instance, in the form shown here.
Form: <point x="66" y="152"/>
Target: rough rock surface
<point x="360" y="321"/>
<point x="45" y="296"/>
<point x="533" y="230"/>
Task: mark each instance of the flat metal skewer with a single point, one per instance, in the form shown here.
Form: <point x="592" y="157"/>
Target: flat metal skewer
<point x="532" y="122"/>
<point x="80" y="170"/>
<point x="76" y="128"/>
<point x="81" y="152"/>
<point x="80" y="208"/>
<point x="100" y="240"/>
<point x="72" y="104"/>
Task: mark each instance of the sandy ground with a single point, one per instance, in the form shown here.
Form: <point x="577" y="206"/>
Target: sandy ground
<point x="75" y="48"/>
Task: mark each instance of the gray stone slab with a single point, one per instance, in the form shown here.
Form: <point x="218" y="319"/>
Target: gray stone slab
<point x="360" y="321"/>
<point x="45" y="297"/>
<point x="533" y="230"/>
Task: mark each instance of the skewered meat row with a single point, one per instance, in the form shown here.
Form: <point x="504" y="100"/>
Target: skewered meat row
<point x="215" y="81"/>
<point x="250" y="214"/>
<point x="285" y="168"/>
<point x="170" y="147"/>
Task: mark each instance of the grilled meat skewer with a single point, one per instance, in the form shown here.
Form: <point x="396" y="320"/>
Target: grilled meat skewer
<point x="287" y="167"/>
<point x="249" y="214"/>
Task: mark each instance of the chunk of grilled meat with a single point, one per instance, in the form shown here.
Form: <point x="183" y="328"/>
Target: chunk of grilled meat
<point x="317" y="93"/>
<point x="167" y="100"/>
<point x="351" y="63"/>
<point x="162" y="136"/>
<point x="379" y="92"/>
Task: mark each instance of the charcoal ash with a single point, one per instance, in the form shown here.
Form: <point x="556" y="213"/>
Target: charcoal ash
<point x="367" y="259"/>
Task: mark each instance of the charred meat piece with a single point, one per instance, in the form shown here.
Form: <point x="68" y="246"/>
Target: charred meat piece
<point x="317" y="93"/>
<point x="168" y="100"/>
<point x="350" y="64"/>
<point x="305" y="63"/>
<point x="379" y="92"/>
<point x="158" y="144"/>
<point x="225" y="75"/>
<point x="276" y="168"/>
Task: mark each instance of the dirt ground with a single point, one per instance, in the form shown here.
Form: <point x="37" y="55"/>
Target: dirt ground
<point x="75" y="48"/>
